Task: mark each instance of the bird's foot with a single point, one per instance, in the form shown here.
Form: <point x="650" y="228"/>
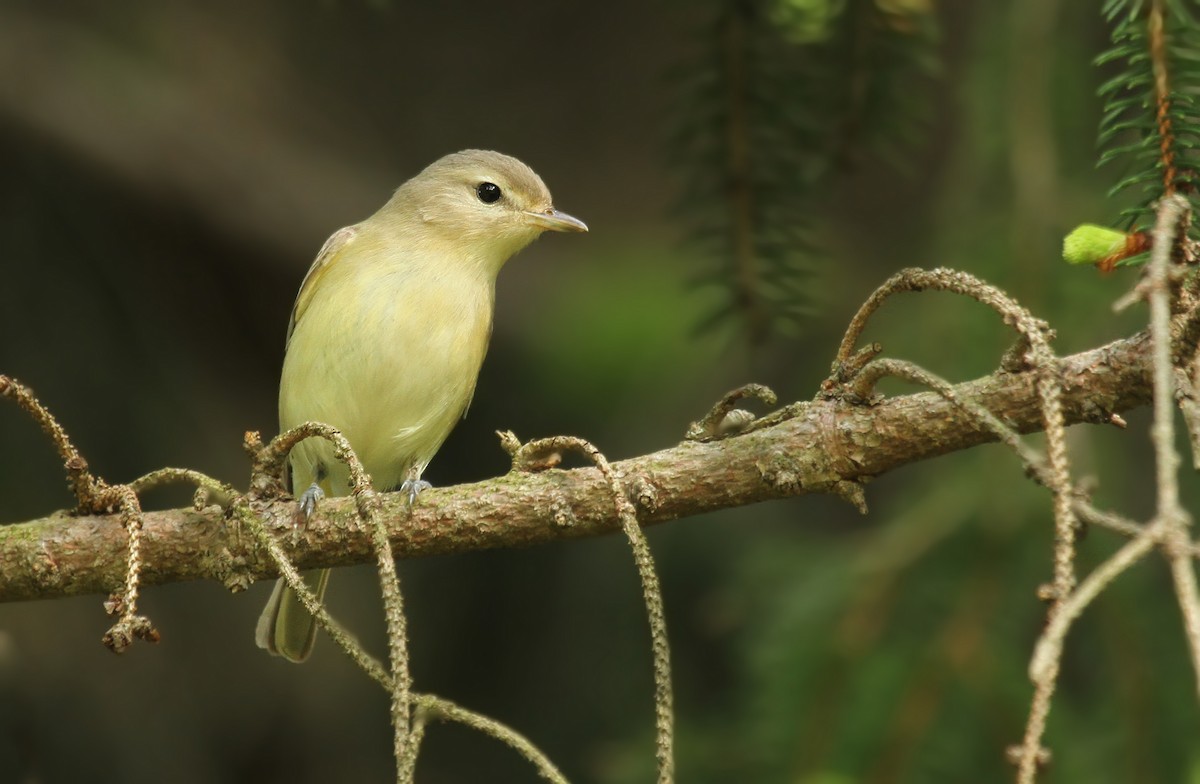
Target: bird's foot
<point x="309" y="499"/>
<point x="414" y="487"/>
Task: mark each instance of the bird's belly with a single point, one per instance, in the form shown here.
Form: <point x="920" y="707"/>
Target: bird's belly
<point x="394" y="376"/>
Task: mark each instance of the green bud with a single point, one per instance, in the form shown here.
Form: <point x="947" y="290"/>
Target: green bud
<point x="1091" y="244"/>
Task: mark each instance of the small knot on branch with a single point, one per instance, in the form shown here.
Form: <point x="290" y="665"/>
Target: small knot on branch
<point x="723" y="420"/>
<point x="562" y="513"/>
<point x="252" y="442"/>
<point x="1042" y="757"/>
<point x="1017" y="358"/>
<point x="645" y="494"/>
<point x="781" y="470"/>
<point x="1047" y="593"/>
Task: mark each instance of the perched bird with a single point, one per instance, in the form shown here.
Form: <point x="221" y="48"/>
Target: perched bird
<point x="389" y="331"/>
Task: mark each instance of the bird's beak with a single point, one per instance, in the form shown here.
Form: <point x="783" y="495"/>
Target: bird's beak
<point x="553" y="220"/>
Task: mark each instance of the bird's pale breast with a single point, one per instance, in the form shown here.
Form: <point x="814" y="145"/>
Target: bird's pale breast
<point x="391" y="359"/>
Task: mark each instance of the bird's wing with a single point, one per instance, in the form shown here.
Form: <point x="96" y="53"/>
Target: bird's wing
<point x="328" y="254"/>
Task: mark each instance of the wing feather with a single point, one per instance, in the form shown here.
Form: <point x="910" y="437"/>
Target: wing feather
<point x="326" y="257"/>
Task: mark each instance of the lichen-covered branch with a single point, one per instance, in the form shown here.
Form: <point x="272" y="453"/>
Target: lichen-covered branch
<point x="819" y="447"/>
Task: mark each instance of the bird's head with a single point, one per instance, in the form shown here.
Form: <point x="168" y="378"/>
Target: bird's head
<point x="487" y="205"/>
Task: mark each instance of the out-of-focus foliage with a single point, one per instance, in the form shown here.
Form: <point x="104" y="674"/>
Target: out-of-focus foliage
<point x="1151" y="124"/>
<point x="782" y="98"/>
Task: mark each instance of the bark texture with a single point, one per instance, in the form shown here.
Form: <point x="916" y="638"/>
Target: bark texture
<point x="827" y="446"/>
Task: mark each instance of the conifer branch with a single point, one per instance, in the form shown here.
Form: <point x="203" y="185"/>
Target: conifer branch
<point x="812" y="447"/>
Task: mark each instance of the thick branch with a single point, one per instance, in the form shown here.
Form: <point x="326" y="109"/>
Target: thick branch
<point x="825" y="445"/>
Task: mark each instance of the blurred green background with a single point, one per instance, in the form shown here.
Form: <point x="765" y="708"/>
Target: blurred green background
<point x="169" y="171"/>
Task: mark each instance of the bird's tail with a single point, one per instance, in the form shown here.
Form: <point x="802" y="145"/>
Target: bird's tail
<point x="285" y="628"/>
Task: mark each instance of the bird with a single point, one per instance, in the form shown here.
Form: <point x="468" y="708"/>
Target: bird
<point x="388" y="333"/>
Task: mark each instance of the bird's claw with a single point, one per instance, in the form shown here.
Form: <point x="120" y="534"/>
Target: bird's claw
<point x="309" y="499"/>
<point x="414" y="487"/>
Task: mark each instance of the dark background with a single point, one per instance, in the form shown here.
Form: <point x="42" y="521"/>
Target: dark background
<point x="168" y="172"/>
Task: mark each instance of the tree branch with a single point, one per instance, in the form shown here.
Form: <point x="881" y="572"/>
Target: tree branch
<point x="823" y="447"/>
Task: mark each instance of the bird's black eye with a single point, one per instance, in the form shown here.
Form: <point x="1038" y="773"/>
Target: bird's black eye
<point x="488" y="192"/>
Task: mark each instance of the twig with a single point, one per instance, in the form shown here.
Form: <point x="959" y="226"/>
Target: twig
<point x="1058" y="474"/>
<point x="1036" y="334"/>
<point x="939" y="279"/>
<point x="1162" y="431"/>
<point x="393" y="605"/>
<point x="291" y="575"/>
<point x="1033" y="349"/>
<point x="93" y="494"/>
<point x="651" y="590"/>
<point x="429" y="707"/>
<point x="83" y="485"/>
<point x="1170" y="522"/>
<point x="1048" y="651"/>
<point x="1031" y="755"/>
<point x="1090" y="515"/>
<point x="1186" y="397"/>
<point x="1170" y="513"/>
<point x="165" y="476"/>
<point x="129" y="625"/>
<point x="1055" y="473"/>
<point x="268" y="460"/>
<point x="406" y="770"/>
<point x="1178" y="548"/>
<point x="410" y="713"/>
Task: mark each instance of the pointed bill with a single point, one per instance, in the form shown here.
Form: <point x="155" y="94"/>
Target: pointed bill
<point x="553" y="220"/>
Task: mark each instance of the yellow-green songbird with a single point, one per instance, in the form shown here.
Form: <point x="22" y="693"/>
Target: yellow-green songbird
<point x="389" y="331"/>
